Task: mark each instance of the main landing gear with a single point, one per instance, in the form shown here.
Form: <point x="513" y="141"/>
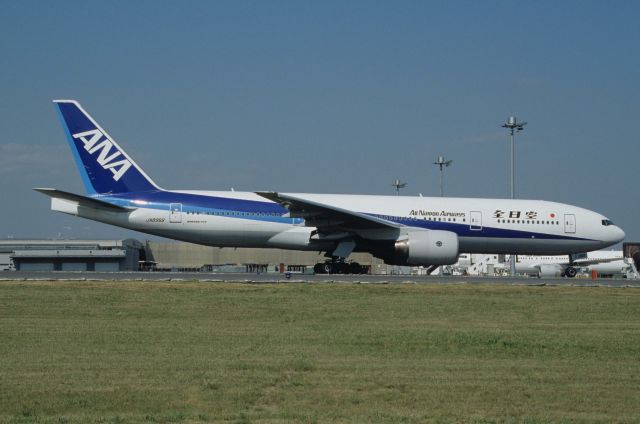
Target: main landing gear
<point x="570" y="272"/>
<point x="339" y="266"/>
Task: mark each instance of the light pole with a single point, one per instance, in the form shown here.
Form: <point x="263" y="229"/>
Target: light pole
<point x="512" y="124"/>
<point x="398" y="185"/>
<point x="442" y="163"/>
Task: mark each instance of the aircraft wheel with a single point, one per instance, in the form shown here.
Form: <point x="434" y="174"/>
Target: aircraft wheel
<point x="354" y="268"/>
<point x="570" y="272"/>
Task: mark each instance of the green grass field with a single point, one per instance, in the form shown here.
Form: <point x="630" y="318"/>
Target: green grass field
<point x="205" y="352"/>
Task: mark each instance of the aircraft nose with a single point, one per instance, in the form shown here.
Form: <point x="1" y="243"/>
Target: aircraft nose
<point x="617" y="234"/>
<point x="621" y="235"/>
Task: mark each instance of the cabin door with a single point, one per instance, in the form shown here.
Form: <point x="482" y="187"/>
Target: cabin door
<point x="475" y="222"/>
<point x="570" y="224"/>
<point x="176" y="212"/>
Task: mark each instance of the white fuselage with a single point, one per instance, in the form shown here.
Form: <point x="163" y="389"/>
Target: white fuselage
<point x="603" y="261"/>
<point x="245" y="219"/>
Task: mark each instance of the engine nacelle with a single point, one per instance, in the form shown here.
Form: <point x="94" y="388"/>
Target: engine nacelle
<point x="427" y="247"/>
<point x="549" y="271"/>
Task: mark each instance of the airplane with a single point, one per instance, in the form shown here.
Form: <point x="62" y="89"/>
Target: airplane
<point x="603" y="261"/>
<point x="401" y="230"/>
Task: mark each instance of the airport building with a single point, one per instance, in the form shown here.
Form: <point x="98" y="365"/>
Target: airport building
<point x="132" y="255"/>
<point x="71" y="255"/>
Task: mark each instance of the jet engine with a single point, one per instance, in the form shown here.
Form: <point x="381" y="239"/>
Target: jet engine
<point x="549" y="271"/>
<point x="426" y="247"/>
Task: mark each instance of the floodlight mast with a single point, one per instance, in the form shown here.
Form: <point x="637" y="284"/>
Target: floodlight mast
<point x="513" y="125"/>
<point x="443" y="163"/>
<point x="398" y="185"/>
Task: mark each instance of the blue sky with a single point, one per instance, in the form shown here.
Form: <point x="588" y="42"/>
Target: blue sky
<point x="337" y="97"/>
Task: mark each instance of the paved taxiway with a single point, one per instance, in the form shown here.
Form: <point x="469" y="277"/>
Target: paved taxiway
<point x="304" y="278"/>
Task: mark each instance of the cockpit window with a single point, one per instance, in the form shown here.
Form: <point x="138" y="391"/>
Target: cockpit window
<point x="606" y="222"/>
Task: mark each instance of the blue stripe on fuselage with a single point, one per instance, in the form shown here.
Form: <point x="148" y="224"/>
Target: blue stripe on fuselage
<point x="198" y="201"/>
<point x="464" y="229"/>
<point x="273" y="212"/>
<point x="195" y="203"/>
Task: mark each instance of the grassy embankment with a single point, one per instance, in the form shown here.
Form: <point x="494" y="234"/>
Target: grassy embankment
<point x="201" y="352"/>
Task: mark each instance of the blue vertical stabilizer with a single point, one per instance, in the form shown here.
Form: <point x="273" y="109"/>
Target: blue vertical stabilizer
<point x="103" y="165"/>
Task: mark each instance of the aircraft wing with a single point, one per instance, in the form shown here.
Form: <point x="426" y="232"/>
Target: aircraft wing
<point x="322" y="215"/>
<point x="88" y="202"/>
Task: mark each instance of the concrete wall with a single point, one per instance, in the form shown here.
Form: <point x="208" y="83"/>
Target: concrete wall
<point x="187" y="255"/>
<point x="5" y="261"/>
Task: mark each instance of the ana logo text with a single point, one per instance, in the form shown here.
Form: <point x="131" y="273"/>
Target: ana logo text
<point x="95" y="141"/>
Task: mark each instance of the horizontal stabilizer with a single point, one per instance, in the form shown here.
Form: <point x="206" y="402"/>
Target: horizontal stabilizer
<point x="82" y="200"/>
